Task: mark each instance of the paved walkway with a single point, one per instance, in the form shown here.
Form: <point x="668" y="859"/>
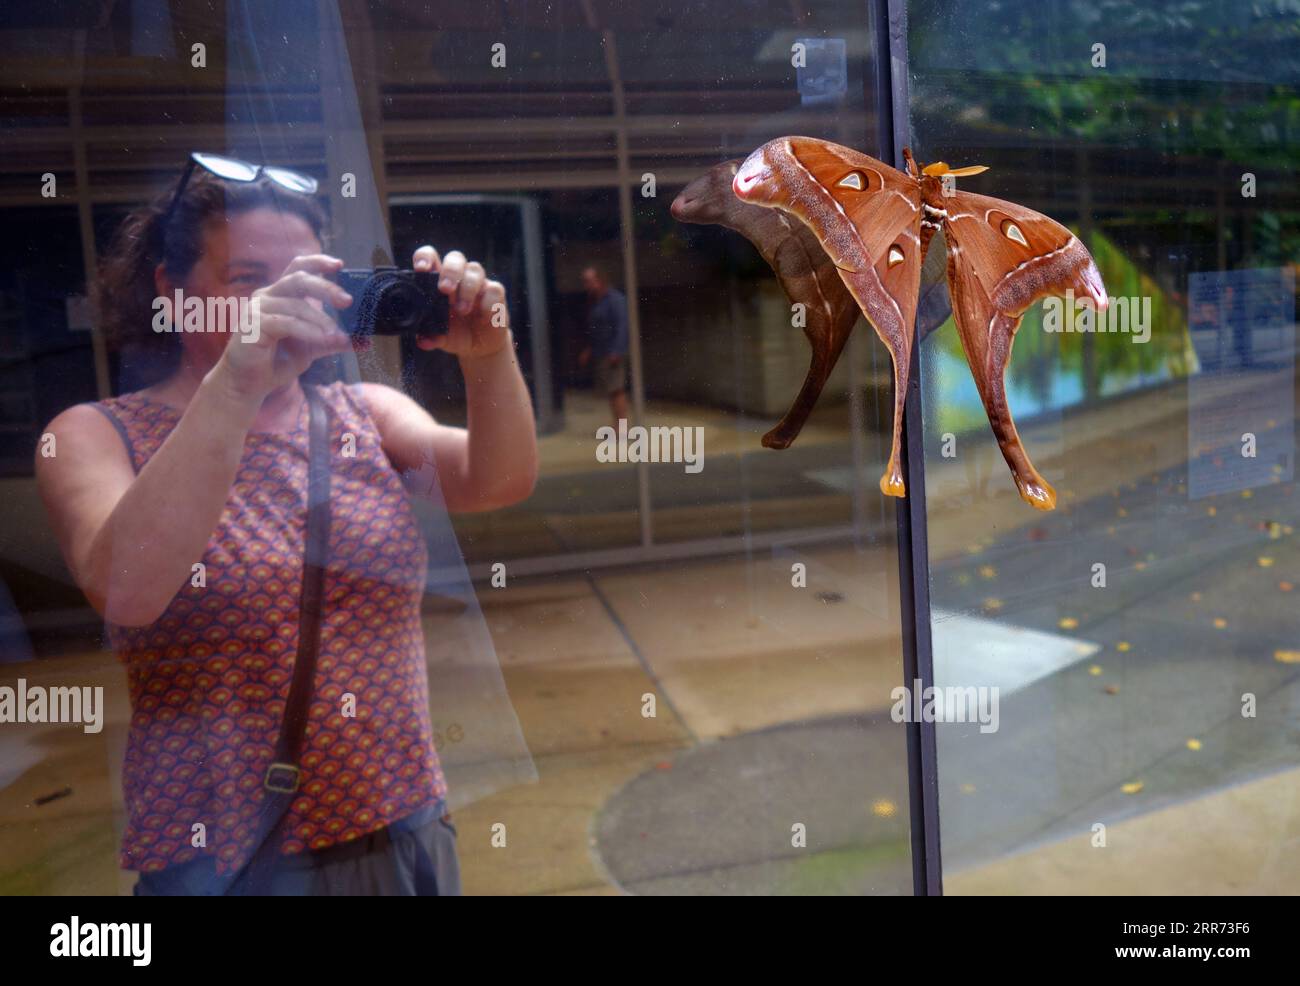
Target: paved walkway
<point x="771" y="703"/>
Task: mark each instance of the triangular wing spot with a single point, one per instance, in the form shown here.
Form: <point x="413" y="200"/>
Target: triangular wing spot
<point x="854" y="179"/>
<point x="1012" y="232"/>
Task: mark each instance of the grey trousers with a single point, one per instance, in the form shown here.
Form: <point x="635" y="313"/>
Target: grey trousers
<point x="413" y="857"/>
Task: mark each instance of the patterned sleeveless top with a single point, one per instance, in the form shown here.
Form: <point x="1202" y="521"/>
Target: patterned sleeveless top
<point x="209" y="679"/>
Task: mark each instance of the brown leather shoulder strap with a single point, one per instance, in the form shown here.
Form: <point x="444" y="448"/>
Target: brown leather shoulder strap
<point x="315" y="559"/>
<point x="282" y="776"/>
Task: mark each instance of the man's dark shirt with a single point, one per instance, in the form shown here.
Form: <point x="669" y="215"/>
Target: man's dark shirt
<point x="607" y="324"/>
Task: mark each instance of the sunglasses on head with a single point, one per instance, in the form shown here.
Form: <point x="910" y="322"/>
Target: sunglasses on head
<point x="233" y="169"/>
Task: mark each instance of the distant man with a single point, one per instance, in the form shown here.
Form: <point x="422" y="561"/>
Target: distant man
<point x="607" y="330"/>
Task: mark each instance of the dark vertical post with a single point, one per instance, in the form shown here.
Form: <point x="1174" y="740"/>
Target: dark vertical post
<point x="889" y="24"/>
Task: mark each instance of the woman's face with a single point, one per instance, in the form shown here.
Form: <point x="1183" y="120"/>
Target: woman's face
<point x="240" y="254"/>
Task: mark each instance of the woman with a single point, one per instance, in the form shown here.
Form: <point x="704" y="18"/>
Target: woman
<point x="181" y="512"/>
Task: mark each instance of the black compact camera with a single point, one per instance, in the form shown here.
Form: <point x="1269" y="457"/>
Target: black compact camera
<point x="387" y="301"/>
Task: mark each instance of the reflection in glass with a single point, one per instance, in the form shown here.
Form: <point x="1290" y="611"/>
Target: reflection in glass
<point x="1141" y="636"/>
<point x="699" y="663"/>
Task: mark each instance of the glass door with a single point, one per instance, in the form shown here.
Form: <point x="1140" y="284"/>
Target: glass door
<point x="1121" y="671"/>
<point x="649" y="673"/>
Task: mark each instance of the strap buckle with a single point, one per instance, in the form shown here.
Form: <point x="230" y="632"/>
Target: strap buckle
<point x="282" y="778"/>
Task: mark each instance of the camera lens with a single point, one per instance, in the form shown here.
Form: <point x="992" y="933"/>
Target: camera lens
<point x="400" y="306"/>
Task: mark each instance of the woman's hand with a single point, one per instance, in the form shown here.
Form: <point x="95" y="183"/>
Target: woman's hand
<point x="480" y="321"/>
<point x="293" y="329"/>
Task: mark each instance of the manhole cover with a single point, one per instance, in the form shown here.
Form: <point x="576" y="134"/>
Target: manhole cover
<point x="721" y="819"/>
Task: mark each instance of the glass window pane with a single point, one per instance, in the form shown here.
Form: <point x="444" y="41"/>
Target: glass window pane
<point x="614" y="674"/>
<point x="1139" y="638"/>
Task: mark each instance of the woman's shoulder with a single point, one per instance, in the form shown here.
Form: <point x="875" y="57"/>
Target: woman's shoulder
<point x="123" y="410"/>
<point x="394" y="414"/>
<point x="378" y="400"/>
<point x="340" y="394"/>
<point x="133" y="403"/>
<point x="116" y="401"/>
<point x="359" y="403"/>
<point x="136" y="412"/>
<point x="92" y="429"/>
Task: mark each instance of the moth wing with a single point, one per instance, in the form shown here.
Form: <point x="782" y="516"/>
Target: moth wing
<point x="809" y="278"/>
<point x="887" y="294"/>
<point x="866" y="216"/>
<point x="994" y="238"/>
<point x="871" y="203"/>
<point x="1002" y="258"/>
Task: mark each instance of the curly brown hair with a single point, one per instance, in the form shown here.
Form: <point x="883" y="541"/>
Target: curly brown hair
<point x="123" y="292"/>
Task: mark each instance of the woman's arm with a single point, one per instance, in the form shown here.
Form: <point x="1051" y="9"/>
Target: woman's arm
<point x="493" y="462"/>
<point x="131" y="540"/>
<point x="489" y="465"/>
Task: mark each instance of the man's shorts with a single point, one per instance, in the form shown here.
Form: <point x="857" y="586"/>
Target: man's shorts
<point x="413" y="857"/>
<point x="610" y="378"/>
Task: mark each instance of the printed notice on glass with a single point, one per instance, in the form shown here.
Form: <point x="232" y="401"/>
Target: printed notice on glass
<point x="1240" y="406"/>
<point x="821" y="70"/>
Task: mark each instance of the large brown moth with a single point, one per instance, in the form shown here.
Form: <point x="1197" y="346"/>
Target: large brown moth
<point x="876" y="223"/>
<point x="807" y="276"/>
